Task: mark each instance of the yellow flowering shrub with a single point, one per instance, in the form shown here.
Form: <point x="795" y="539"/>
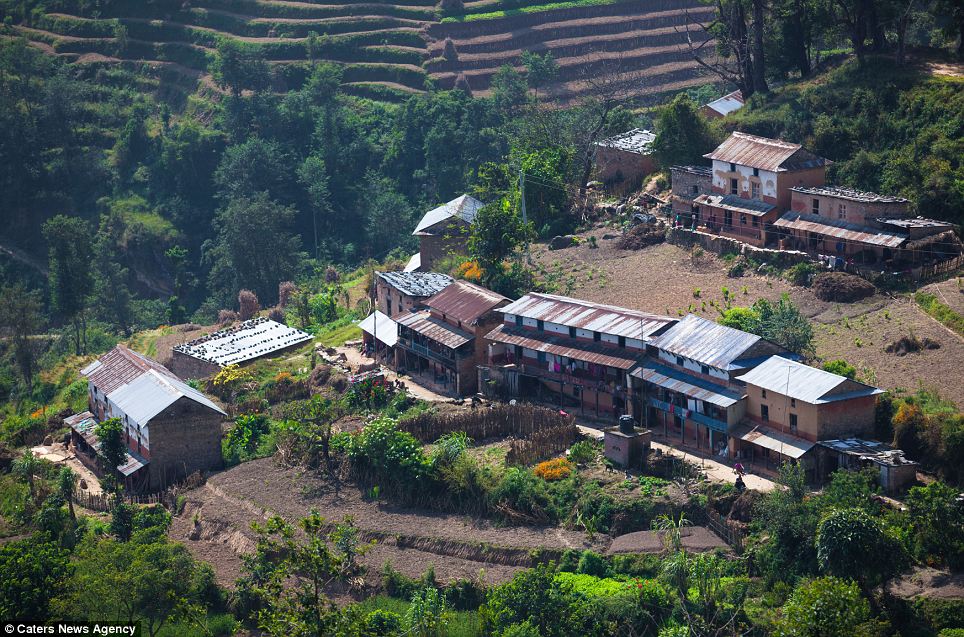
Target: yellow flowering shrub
<point x="555" y="469"/>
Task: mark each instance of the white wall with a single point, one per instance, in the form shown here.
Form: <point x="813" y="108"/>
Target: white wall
<point x="721" y="180"/>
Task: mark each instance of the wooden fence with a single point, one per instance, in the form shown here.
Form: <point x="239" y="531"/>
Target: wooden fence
<point x="730" y="534"/>
<point x="166" y="498"/>
<point x="541" y="445"/>
<point x="495" y="421"/>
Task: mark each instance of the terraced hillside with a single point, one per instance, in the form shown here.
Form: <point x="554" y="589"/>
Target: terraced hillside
<point x="389" y="49"/>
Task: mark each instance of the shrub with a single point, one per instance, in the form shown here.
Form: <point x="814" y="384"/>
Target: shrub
<point x="591" y="563"/>
<point x="522" y="492"/>
<point x="286" y="290"/>
<point x="841" y="368"/>
<point x="824" y="607"/>
<point x="382" y="623"/>
<point x="583" y="452"/>
<point x="800" y="273"/>
<point x="555" y="469"/>
<point x="386" y="455"/>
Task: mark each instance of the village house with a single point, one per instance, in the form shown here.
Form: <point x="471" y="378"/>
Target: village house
<point x="446" y="341"/>
<point x="624" y="160"/>
<point x="894" y="470"/>
<point x="723" y="106"/>
<point x="401" y="292"/>
<point x="751" y="181"/>
<point x="863" y="227"/>
<point x="689" y="384"/>
<point x="171" y="429"/>
<point x="243" y="343"/>
<point x="573" y="353"/>
<point x="791" y="406"/>
<point x="688" y="183"/>
<point x="443" y="231"/>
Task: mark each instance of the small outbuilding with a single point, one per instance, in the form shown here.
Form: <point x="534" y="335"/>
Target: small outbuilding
<point x="623" y="160"/>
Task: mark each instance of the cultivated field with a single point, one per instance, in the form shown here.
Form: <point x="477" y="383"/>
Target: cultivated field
<point x="388" y="50"/>
<point x="663" y="279"/>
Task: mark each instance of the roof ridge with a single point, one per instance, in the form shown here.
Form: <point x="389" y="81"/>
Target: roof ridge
<point x="595" y="305"/>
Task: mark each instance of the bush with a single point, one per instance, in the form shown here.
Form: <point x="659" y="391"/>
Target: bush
<point x="555" y="469"/>
<point x="583" y="452"/>
<point x="591" y="563"/>
<point x="824" y="607"/>
<point x="522" y="492"/>
<point x="841" y="287"/>
<point x="800" y="273"/>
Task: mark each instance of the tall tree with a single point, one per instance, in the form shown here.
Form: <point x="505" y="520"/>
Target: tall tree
<point x="69" y="242"/>
<point x="682" y="134"/>
<point x="254" y="248"/>
<point x="497" y="233"/>
<point x="111" y="295"/>
<point x="21" y="319"/>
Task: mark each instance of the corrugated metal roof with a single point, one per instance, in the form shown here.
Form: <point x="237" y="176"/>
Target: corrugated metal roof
<point x="464" y="207"/>
<point x="84" y="424"/>
<point x="416" y="283"/>
<point x="851" y="194"/>
<point x="132" y="463"/>
<point x="802" y="382"/>
<point x="636" y="141"/>
<point x="696" y="170"/>
<point x="464" y="301"/>
<point x="736" y="204"/>
<point x="691" y="386"/>
<point x="414" y="263"/>
<point x="706" y="342"/>
<point x="118" y="367"/>
<point x="782" y="443"/>
<point x="562" y="346"/>
<point x="151" y="393"/>
<point x="764" y="153"/>
<point x="870" y="449"/>
<point x="380" y="326"/>
<point x="727" y="104"/>
<point x="914" y="222"/>
<point x="838" y="229"/>
<point x="435" y="329"/>
<point x="243" y="342"/>
<point x="596" y="317"/>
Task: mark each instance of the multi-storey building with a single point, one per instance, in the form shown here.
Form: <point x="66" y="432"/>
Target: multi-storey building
<point x="401" y="292"/>
<point x="171" y="429"/>
<point x="688" y="183"/>
<point x="447" y="339"/>
<point x="572" y="352"/>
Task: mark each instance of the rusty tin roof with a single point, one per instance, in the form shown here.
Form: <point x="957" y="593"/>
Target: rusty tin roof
<point x="563" y="346"/>
<point x="706" y="342"/>
<point x="839" y="229"/>
<point x="596" y="317"/>
<point x="435" y="329"/>
<point x="764" y="153"/>
<point x="464" y="301"/>
<point x="120" y="366"/>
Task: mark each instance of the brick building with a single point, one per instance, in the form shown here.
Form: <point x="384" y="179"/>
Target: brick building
<point x="623" y="160"/>
<point x="402" y="292"/>
<point x="446" y="341"/>
<point x="170" y="428"/>
<point x="751" y="181"/>
<point x="688" y="183"/>
<point x="237" y="345"/>
<point x="443" y="231"/>
<point x="792" y="406"/>
<point x="570" y="352"/>
<point x="723" y="106"/>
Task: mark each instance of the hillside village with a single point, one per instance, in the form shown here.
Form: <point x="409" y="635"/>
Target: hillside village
<point x="484" y="318"/>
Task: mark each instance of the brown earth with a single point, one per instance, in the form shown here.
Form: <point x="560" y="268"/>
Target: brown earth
<point x="695" y="539"/>
<point x="928" y="582"/>
<point x="664" y="280"/>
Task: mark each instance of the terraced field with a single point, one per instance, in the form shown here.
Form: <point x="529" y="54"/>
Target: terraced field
<point x="389" y="50"/>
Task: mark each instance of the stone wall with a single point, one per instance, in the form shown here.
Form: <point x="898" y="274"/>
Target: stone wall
<point x="723" y="245"/>
<point x="185" y="366"/>
<point x="687" y="186"/>
<point x="184" y="438"/>
<point x="445" y="240"/>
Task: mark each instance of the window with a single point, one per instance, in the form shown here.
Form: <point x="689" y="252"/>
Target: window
<point x="705" y="370"/>
<point x="695" y="189"/>
<point x="542" y="357"/>
<point x="756" y="222"/>
<point x="541" y="325"/>
<point x="842" y="211"/>
<point x="572" y="332"/>
<point x="793" y="402"/>
<point x="756" y="172"/>
<point x="815" y="206"/>
<point x="518" y="321"/>
<point x="763" y="393"/>
<point x="732" y="167"/>
<point x="743" y="220"/>
<point x="596" y="336"/>
<point x="793" y="423"/>
<point x="622" y="341"/>
<point x="754" y="190"/>
<point x="764" y="413"/>
<point x="679" y="361"/>
<point x="518" y="351"/>
<point x="734" y="186"/>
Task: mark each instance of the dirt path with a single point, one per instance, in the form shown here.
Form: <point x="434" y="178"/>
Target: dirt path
<point x="356" y="359"/>
<point x="57" y="453"/>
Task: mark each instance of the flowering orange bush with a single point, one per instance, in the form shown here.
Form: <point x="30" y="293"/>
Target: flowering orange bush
<point x="555" y="469"/>
<point x="470" y="271"/>
<point x="283" y="378"/>
<point x="37" y="414"/>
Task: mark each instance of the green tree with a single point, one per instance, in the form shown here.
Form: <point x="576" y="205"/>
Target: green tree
<point x="152" y="582"/>
<point x="785" y="325"/>
<point x="254" y="248"/>
<point x="111" y="299"/>
<point x="113" y="450"/>
<point x="385" y="211"/>
<point x="823" y="607"/>
<point x="682" y="134"/>
<point x="937" y="521"/>
<point x="21" y="319"/>
<point x="851" y="544"/>
<point x="32" y="572"/>
<point x="509" y="89"/>
<point x="238" y="66"/>
<point x="532" y="596"/>
<point x="66" y="488"/>
<point x="541" y="70"/>
<point x="841" y="367"/>
<point x="69" y="242"/>
<point x="497" y="233"/>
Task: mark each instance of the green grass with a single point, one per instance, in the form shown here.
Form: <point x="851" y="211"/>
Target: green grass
<point x="338" y="336"/>
<point x="939" y="311"/>
<point x="504" y="13"/>
<point x="461" y="623"/>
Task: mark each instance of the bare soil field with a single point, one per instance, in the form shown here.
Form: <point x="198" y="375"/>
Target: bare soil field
<point x="663" y="279"/>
